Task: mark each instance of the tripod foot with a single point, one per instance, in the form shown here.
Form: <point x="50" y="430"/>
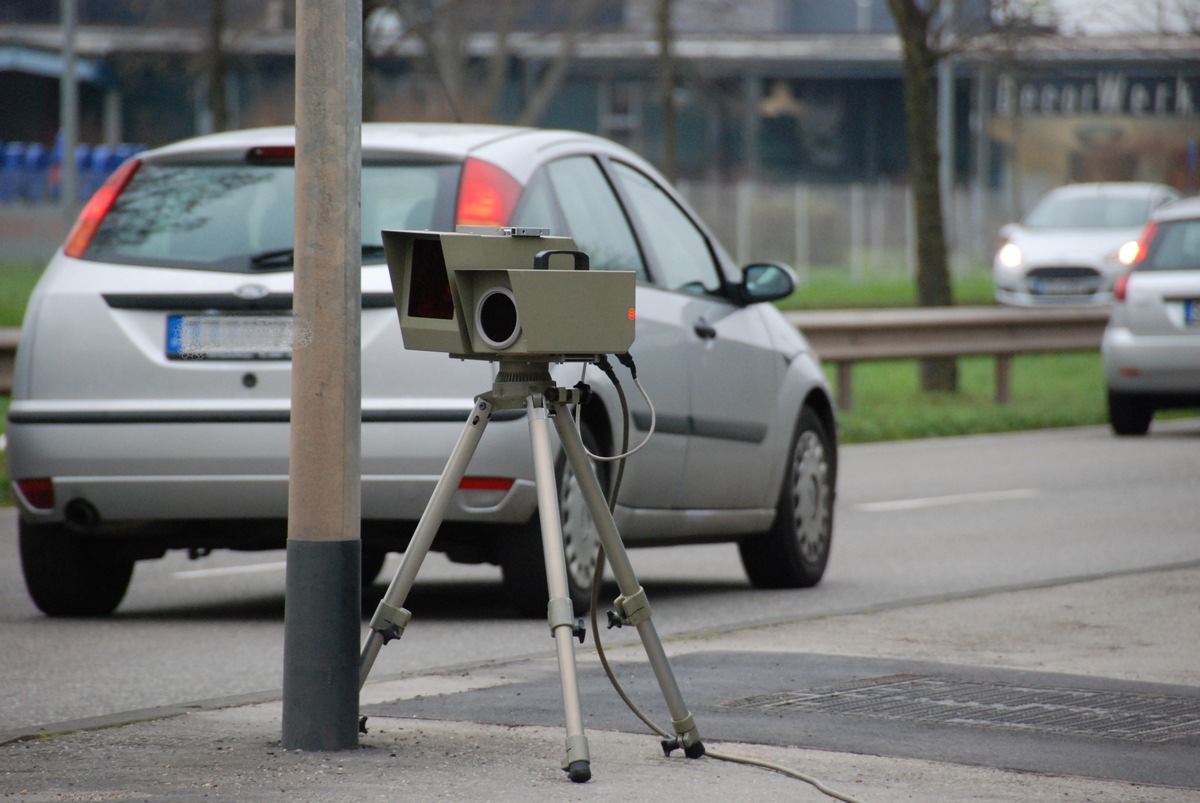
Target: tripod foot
<point x="690" y="749"/>
<point x="580" y="771"/>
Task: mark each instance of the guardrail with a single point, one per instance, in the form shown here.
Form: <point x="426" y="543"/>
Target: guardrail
<point x="848" y="337"/>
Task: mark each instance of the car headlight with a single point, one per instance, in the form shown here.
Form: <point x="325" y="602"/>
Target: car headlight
<point x="1128" y="252"/>
<point x="1010" y="256"/>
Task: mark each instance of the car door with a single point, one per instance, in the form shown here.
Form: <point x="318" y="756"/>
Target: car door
<point x="572" y="196"/>
<point x="732" y="369"/>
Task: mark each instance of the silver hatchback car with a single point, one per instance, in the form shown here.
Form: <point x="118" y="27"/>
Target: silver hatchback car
<point x="1151" y="346"/>
<point x="124" y="443"/>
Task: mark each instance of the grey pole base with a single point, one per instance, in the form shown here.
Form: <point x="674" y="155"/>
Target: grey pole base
<point x="320" y="645"/>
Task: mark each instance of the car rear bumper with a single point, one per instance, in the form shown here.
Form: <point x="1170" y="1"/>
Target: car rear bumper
<point x="240" y="472"/>
<point x="1167" y="364"/>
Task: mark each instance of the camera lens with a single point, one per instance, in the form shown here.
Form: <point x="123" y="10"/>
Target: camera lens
<point x="496" y="318"/>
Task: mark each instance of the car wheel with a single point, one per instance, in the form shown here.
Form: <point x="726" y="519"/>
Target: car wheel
<point x="1128" y="414"/>
<point x="523" y="563"/>
<point x="794" y="552"/>
<point x="372" y="565"/>
<point x="68" y="574"/>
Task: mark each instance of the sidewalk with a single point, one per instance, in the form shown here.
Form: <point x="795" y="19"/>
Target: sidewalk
<point x="1131" y="637"/>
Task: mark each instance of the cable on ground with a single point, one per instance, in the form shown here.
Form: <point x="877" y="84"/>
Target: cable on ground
<point x="598" y="577"/>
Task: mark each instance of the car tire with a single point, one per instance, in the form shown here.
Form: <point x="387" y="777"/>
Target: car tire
<point x="522" y="561"/>
<point x="793" y="553"/>
<point x="1129" y="415"/>
<point x="68" y="574"/>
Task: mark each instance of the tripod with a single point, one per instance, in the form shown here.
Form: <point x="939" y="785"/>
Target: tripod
<point x="528" y="385"/>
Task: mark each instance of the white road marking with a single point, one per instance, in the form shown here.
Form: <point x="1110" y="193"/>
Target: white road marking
<point x="226" y="571"/>
<point x="943" y="501"/>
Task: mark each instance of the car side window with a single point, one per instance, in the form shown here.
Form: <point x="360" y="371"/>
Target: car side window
<point x="678" y="248"/>
<point x="589" y="210"/>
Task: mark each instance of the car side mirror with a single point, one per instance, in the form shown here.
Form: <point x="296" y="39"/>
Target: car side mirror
<point x="767" y="281"/>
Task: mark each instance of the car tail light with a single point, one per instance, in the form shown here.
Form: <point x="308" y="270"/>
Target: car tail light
<point x="93" y="213"/>
<point x="484" y="492"/>
<point x="271" y="155"/>
<point x="1144" y="243"/>
<point x="486" y="483"/>
<point x="487" y="195"/>
<point x="38" y="493"/>
<point x="1121" y="287"/>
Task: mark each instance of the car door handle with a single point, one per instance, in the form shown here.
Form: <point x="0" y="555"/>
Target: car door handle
<point x="704" y="329"/>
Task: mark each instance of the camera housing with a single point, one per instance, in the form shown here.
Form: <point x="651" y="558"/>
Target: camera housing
<point x="507" y="293"/>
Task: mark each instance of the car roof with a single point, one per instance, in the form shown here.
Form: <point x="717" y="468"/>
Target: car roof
<point x="449" y="139"/>
<point x="519" y="150"/>
<point x="1179" y="210"/>
<point x="1111" y="189"/>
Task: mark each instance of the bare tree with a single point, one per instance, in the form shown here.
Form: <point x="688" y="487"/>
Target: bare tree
<point x="216" y="68"/>
<point x="920" y="26"/>
<point x="467" y="49"/>
<point x="666" y="88"/>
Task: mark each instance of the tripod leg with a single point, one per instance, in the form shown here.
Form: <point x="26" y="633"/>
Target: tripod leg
<point x="390" y="616"/>
<point x="633" y="605"/>
<point x="560" y="612"/>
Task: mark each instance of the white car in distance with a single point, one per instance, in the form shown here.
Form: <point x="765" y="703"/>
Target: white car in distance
<point x="1069" y="248"/>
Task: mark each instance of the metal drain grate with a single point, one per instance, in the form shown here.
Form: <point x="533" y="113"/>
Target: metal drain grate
<point x="1114" y="715"/>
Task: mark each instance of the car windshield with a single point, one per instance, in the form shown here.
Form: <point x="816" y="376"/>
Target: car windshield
<point x="240" y="217"/>
<point x="1088" y="213"/>
<point x="1176" y="246"/>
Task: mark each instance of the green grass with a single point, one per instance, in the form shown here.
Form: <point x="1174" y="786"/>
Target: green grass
<point x="835" y="289"/>
<point x="16" y="283"/>
<point x="1047" y="390"/>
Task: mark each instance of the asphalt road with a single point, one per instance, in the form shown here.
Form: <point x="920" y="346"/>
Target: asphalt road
<point x="921" y="520"/>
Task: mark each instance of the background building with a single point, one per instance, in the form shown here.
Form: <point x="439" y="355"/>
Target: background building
<point x="787" y="115"/>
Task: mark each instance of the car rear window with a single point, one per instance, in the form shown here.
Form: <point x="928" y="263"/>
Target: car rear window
<point x="1175" y="246"/>
<point x="1089" y="213"/>
<point x="240" y="217"/>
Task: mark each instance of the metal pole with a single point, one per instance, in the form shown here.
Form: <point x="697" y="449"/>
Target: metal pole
<point x="323" y="593"/>
<point x="68" y="116"/>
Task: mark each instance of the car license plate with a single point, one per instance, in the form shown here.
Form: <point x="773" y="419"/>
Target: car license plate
<point x="1063" y="287"/>
<point x="229" y="337"/>
<point x="1191" y="312"/>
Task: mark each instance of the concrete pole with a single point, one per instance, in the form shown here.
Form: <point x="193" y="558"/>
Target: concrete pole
<point x="68" y="117"/>
<point x="323" y="593"/>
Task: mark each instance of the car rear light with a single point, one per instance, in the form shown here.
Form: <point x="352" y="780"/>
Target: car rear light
<point x="1121" y="287"/>
<point x="484" y="492"/>
<point x="486" y="483"/>
<point x="272" y="154"/>
<point x="38" y="492"/>
<point x="93" y="213"/>
<point x="1144" y="243"/>
<point x="487" y="195"/>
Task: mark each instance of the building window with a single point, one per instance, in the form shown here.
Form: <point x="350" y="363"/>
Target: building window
<point x="621" y="113"/>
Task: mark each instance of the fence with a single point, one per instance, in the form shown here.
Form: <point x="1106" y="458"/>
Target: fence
<point x="31" y="174"/>
<point x="866" y="229"/>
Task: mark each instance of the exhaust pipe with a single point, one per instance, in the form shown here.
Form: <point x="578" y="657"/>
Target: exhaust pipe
<point x="82" y="514"/>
